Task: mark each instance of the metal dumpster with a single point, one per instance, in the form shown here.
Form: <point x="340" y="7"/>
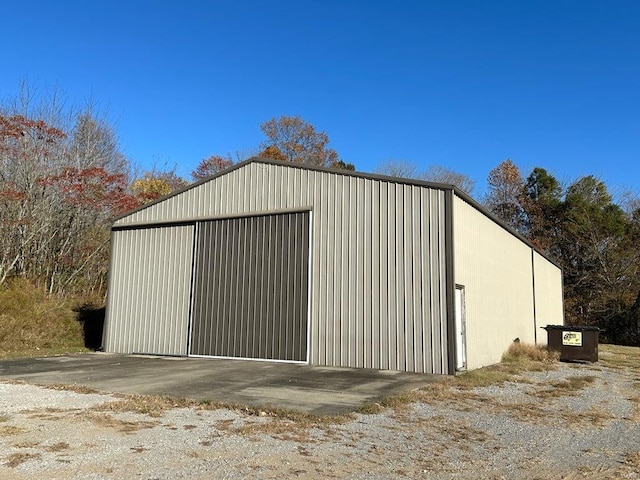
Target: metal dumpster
<point x="576" y="343"/>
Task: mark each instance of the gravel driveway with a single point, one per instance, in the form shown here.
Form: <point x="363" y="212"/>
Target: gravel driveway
<point x="575" y="421"/>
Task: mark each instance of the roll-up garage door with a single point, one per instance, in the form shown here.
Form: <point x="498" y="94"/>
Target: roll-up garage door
<point x="250" y="292"/>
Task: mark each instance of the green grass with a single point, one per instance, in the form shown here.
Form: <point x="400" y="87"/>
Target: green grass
<point x="33" y="323"/>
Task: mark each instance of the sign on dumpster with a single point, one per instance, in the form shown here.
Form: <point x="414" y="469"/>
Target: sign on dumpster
<point x="573" y="339"/>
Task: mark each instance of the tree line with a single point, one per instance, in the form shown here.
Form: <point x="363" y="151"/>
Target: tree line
<point x="586" y="232"/>
<point x="64" y="178"/>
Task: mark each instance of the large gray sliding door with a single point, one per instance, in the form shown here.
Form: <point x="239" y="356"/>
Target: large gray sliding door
<point x="250" y="293"/>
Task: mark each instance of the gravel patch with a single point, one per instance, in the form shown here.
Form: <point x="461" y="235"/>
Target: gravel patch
<point x="513" y="431"/>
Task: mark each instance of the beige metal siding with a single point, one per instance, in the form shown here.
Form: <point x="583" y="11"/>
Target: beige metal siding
<point x="548" y="295"/>
<point x="495" y="268"/>
<point x="149" y="289"/>
<point x="378" y="293"/>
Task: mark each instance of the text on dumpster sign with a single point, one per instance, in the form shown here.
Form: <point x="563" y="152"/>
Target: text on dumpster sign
<point x="572" y="338"/>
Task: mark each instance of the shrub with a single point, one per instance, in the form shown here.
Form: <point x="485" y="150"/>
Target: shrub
<point x="522" y="353"/>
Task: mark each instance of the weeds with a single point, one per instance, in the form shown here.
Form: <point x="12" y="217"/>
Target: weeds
<point x="9" y="430"/>
<point x="567" y="387"/>
<point x="152" y="405"/>
<point x="633" y="460"/>
<point x="57" y="447"/>
<point x="15" y="459"/>
<point x="596" y="415"/>
<point x="619" y="357"/>
<point x="74" y="388"/>
<point x="122" y="426"/>
<point x="282" y="424"/>
<point x="25" y="444"/>
<point x="33" y="323"/>
<point x="157" y="406"/>
<point x="278" y="423"/>
<point x="518" y="359"/>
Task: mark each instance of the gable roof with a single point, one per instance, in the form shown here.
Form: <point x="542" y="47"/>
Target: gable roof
<point x="336" y="171"/>
<point x="302" y="166"/>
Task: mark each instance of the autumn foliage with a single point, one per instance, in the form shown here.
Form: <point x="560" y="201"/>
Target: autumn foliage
<point x="210" y="166"/>
<point x="294" y="140"/>
<point x="64" y="180"/>
<point x="59" y="191"/>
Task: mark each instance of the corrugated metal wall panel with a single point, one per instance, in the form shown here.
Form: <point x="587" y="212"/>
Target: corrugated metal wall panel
<point x="250" y="290"/>
<point x="149" y="289"/>
<point x="548" y="295"/>
<point x="367" y="308"/>
<point x="495" y="268"/>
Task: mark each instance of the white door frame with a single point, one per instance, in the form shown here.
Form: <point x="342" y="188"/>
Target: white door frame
<point x="460" y="329"/>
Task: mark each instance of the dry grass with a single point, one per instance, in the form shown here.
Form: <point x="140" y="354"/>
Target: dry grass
<point x="594" y="416"/>
<point x="625" y="360"/>
<point x="122" y="426"/>
<point x="39" y="352"/>
<point x="9" y="430"/>
<point x="25" y="444"/>
<point x="50" y="413"/>
<point x="57" y="447"/>
<point x="74" y="388"/>
<point x="279" y="423"/>
<point x="455" y="431"/>
<point x="157" y="406"/>
<point x="528" y="355"/>
<point x="284" y="425"/>
<point x="525" y="412"/>
<point x="33" y="323"/>
<point x="152" y="405"/>
<point x="629" y="469"/>
<point x="619" y="357"/>
<point x="98" y="418"/>
<point x="518" y="359"/>
<point x="15" y="459"/>
<point x="633" y="460"/>
<point x="568" y="387"/>
<point x="634" y="399"/>
<point x="279" y="429"/>
<point x="447" y="390"/>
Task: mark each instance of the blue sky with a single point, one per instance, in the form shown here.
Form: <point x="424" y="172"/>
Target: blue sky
<point x="464" y="84"/>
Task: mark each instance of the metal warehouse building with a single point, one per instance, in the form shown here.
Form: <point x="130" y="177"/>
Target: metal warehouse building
<point x="278" y="261"/>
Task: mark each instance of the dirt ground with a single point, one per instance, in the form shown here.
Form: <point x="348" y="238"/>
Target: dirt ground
<point x="562" y="421"/>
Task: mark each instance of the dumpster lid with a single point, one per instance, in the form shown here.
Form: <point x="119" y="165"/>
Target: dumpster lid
<point x="574" y="328"/>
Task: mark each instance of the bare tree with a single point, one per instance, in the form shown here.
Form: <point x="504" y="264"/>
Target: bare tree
<point x="505" y="196"/>
<point x="440" y="174"/>
<point x="62" y="179"/>
<point x="94" y="143"/>
<point x="400" y="169"/>
<point x="434" y="173"/>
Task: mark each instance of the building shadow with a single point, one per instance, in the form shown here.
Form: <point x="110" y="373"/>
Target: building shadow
<point x="92" y="320"/>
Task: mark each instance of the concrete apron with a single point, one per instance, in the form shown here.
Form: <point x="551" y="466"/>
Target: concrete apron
<point x="311" y="389"/>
